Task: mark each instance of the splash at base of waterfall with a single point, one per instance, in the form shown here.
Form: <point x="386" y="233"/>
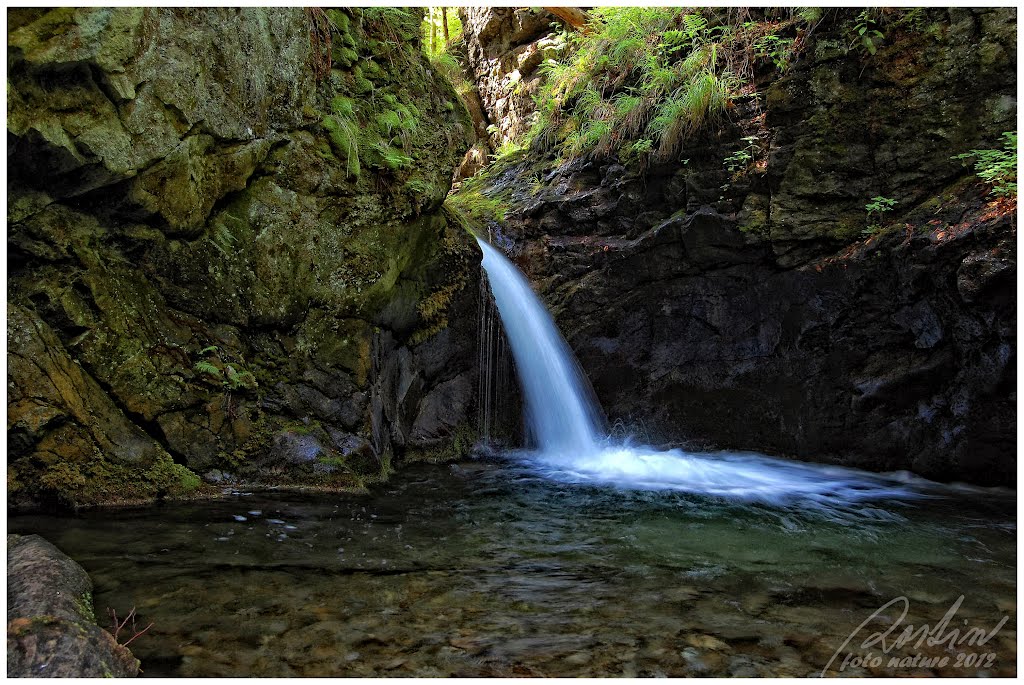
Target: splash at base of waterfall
<point x="743" y="476"/>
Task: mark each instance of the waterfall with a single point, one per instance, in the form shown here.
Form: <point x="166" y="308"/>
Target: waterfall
<point x="572" y="445"/>
<point x="497" y="393"/>
<point x="561" y="414"/>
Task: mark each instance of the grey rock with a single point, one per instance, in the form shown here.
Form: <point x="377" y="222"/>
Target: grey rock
<point x="51" y="628"/>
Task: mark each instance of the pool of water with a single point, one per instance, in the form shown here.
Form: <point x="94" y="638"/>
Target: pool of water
<point x="488" y="568"/>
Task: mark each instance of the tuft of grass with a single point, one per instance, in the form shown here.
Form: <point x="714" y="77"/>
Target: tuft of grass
<point x="643" y="73"/>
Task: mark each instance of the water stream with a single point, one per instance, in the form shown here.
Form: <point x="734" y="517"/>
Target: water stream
<point x="489" y="568"/>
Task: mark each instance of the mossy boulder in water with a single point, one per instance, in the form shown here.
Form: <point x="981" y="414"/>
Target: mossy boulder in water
<point x="51" y="623"/>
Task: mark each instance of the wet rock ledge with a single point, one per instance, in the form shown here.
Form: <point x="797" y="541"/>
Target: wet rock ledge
<point x="51" y="626"/>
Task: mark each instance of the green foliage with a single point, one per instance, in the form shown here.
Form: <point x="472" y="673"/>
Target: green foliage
<point x="810" y="15"/>
<point x="472" y="207"/>
<point x="239" y="380"/>
<point x="867" y="32"/>
<point x="390" y="121"/>
<point x="392" y="158"/>
<point x="641" y="73"/>
<point x="222" y="237"/>
<point x="448" y="66"/>
<point x="398" y="25"/>
<point x="914" y="18"/>
<point x="343" y="106"/>
<point x="877" y="208"/>
<point x="509" y="147"/>
<point x="208" y="368"/>
<point x="998" y="168"/>
<point x="231" y="378"/>
<point x="433" y="25"/>
<point x="741" y="159"/>
<point x="777" y="49"/>
<point x="343" y="134"/>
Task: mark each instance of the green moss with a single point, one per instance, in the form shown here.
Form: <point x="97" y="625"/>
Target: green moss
<point x="362" y="85"/>
<point x="343" y="134"/>
<point x="458" y="446"/>
<point x="474" y="207"/>
<point x="344" y="56"/>
<point x="848" y="228"/>
<point x="78" y="478"/>
<point x="343" y="106"/>
<point x="340" y="20"/>
<point x="84" y="606"/>
<point x="371" y="69"/>
<point x="388" y="122"/>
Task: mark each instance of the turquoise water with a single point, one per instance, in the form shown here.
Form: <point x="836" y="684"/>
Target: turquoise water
<point x="489" y="568"/>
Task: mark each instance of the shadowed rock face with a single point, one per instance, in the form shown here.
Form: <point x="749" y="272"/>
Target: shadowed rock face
<point x="51" y="628"/>
<point x="746" y="309"/>
<point x="201" y="265"/>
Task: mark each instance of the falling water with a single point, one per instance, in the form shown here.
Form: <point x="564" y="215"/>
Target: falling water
<point x="572" y="445"/>
<point x="560" y="414"/>
<point x="496" y="389"/>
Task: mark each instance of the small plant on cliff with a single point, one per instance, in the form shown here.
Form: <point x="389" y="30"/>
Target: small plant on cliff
<point x="778" y="50"/>
<point x="867" y="32"/>
<point x="239" y="380"/>
<point x="738" y="161"/>
<point x="203" y="366"/>
<point x="231" y="378"/>
<point x="998" y="168"/>
<point x="876" y="209"/>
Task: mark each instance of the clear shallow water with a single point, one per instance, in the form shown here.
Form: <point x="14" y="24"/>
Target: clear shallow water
<point x="492" y="568"/>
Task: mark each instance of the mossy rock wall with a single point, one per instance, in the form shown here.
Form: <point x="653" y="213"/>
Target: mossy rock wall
<point x="201" y="259"/>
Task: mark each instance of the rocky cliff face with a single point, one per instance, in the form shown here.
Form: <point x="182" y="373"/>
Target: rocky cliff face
<point x="504" y="48"/>
<point x="745" y="308"/>
<point x="227" y="254"/>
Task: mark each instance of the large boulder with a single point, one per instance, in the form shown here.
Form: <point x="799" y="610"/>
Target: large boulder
<point x="51" y="627"/>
